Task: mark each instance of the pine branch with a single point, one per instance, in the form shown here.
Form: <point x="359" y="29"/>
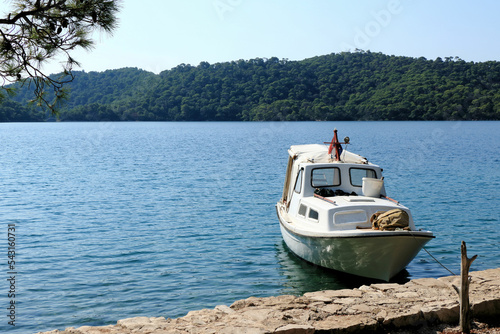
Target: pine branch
<point x="34" y="12"/>
<point x="42" y="30"/>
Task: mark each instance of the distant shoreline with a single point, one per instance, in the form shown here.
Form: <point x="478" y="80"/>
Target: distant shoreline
<point x="364" y="121"/>
<point x="347" y="86"/>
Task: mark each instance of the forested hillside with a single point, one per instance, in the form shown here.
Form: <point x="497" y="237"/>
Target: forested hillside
<point x="346" y="86"/>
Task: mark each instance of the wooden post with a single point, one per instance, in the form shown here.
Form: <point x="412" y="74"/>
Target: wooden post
<point x="465" y="314"/>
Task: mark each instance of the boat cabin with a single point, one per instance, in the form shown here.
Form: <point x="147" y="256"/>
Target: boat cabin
<point x="333" y="179"/>
<point x="336" y="195"/>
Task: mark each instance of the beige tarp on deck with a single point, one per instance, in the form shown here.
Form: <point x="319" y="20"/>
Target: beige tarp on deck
<point x="319" y="153"/>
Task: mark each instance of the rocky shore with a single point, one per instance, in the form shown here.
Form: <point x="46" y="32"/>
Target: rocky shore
<point x="417" y="306"/>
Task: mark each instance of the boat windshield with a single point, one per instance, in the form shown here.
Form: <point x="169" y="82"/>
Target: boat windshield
<point x="298" y="181"/>
<point x="325" y="177"/>
<point x="357" y="174"/>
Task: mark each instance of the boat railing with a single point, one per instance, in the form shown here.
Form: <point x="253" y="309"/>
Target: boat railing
<point x="325" y="199"/>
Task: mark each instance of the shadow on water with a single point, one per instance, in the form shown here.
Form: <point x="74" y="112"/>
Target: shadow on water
<point x="302" y="276"/>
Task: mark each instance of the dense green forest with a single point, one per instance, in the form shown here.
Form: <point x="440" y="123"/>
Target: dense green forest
<point x="360" y="85"/>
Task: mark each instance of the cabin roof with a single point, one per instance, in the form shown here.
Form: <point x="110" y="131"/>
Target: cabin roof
<point x="319" y="154"/>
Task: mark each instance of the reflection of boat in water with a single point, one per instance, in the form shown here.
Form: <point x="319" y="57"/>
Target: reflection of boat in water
<point x="334" y="213"/>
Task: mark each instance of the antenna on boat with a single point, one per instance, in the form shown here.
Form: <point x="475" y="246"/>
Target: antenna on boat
<point x="336" y="145"/>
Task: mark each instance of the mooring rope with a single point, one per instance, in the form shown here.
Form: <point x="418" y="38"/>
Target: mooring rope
<point x="442" y="265"/>
<point x="425" y="249"/>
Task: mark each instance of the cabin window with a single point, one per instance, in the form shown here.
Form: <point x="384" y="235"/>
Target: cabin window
<point x="298" y="181"/>
<point x="325" y="177"/>
<point x="313" y="214"/>
<point x="302" y="210"/>
<point x="357" y="175"/>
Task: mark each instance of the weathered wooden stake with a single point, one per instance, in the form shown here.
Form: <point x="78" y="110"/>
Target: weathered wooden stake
<point x="465" y="314"/>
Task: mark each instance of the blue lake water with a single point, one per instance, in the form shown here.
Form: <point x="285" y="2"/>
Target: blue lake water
<point x="118" y="220"/>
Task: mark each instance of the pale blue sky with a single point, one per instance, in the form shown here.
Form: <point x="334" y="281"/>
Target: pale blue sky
<point x="156" y="35"/>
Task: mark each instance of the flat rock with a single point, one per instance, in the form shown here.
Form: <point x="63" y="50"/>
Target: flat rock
<point x="408" y="295"/>
<point x="429" y="282"/>
<point x="295" y="329"/>
<point x="382" y="307"/>
<point x="385" y="286"/>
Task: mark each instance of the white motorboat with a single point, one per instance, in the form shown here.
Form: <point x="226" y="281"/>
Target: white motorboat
<point x="334" y="213"/>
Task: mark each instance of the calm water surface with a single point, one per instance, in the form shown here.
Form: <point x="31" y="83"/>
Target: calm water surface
<point x="118" y="220"/>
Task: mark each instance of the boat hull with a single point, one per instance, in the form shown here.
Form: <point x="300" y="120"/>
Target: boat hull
<point x="379" y="255"/>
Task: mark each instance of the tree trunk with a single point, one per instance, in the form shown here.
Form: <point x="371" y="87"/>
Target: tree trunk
<point x="465" y="312"/>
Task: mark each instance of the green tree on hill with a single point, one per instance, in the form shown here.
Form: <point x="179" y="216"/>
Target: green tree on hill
<point x="348" y="86"/>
